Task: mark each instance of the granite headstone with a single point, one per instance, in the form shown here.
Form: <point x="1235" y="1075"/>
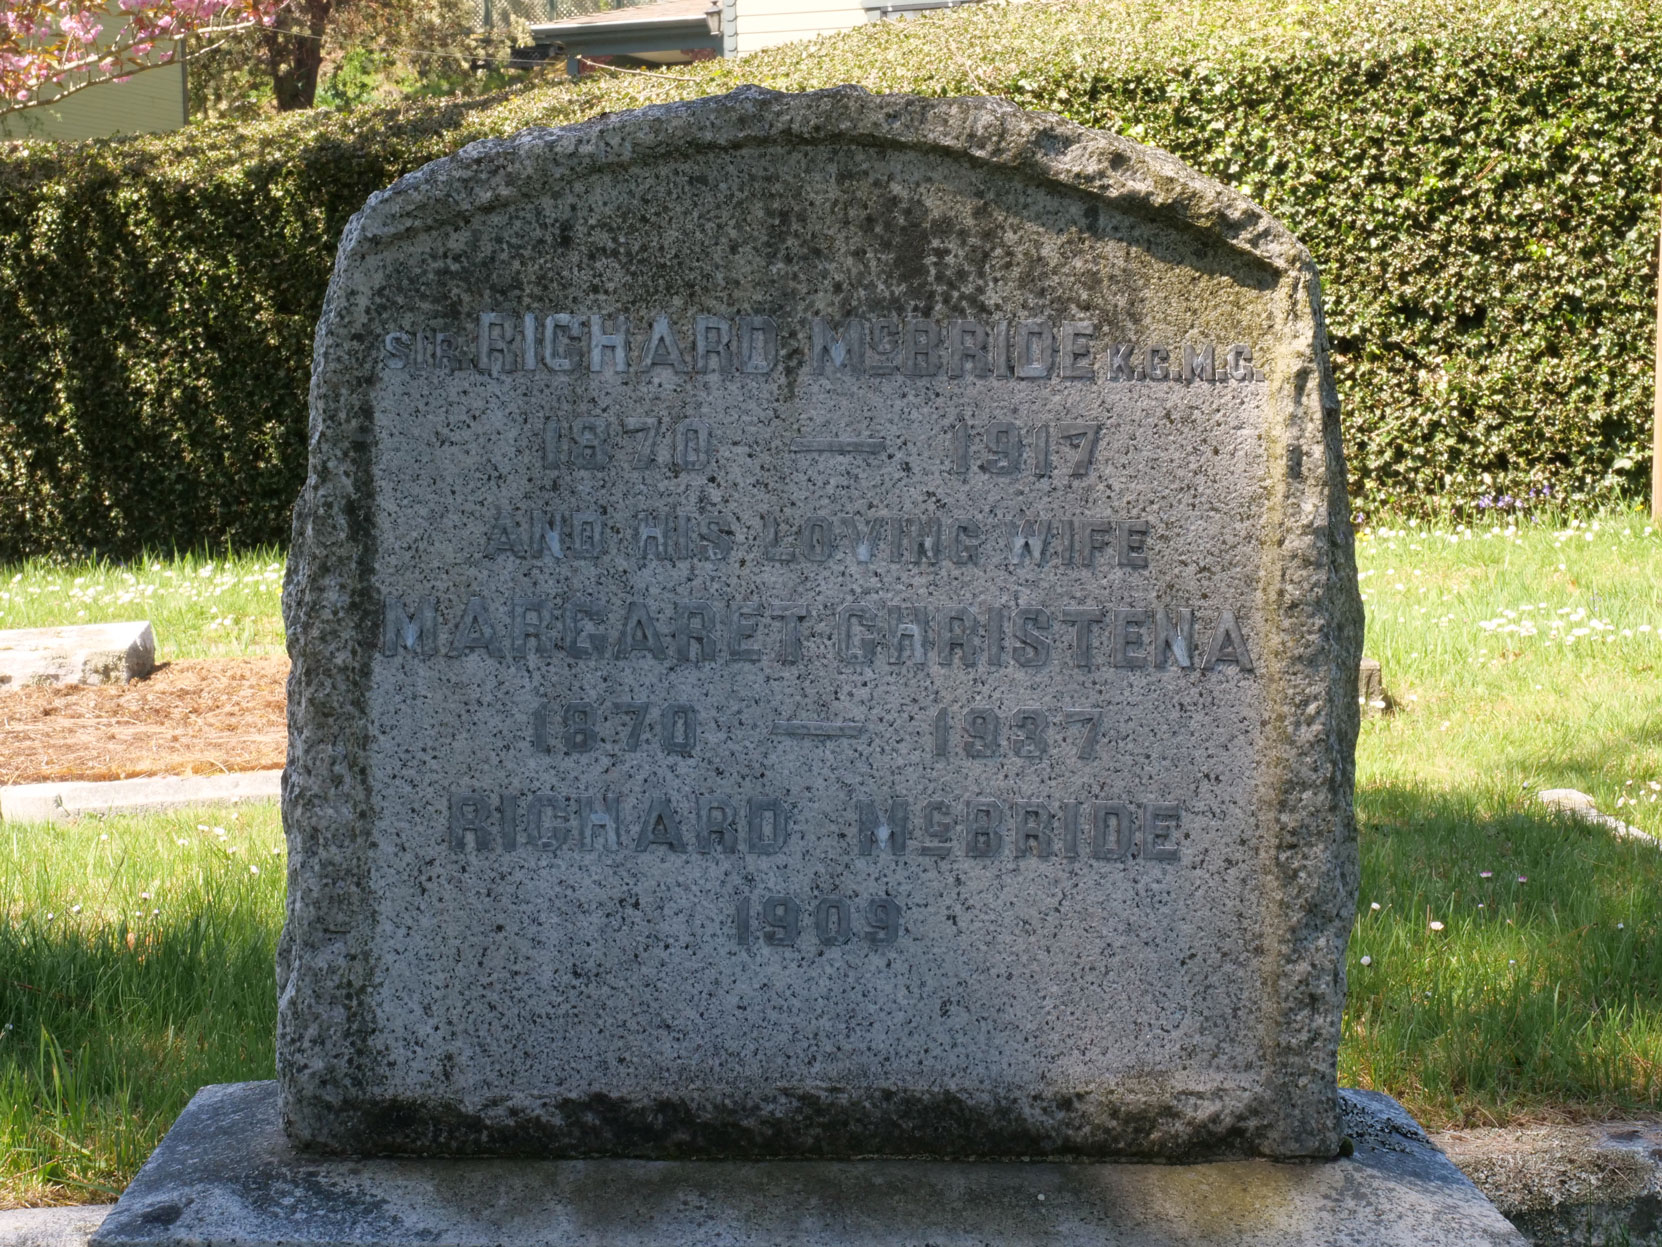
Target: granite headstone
<point x="823" y="626"/>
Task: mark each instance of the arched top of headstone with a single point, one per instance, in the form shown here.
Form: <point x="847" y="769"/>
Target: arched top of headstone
<point x="1122" y="174"/>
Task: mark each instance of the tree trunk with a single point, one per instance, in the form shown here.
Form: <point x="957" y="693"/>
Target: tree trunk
<point x="294" y="51"/>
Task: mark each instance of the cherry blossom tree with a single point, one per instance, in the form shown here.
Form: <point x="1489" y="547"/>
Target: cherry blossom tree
<point x="53" y="48"/>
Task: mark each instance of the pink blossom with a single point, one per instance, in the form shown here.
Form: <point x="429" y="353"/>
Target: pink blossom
<point x="81" y="26"/>
<point x="51" y="46"/>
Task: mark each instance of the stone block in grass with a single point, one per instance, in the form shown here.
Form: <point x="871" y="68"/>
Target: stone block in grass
<point x="105" y="653"/>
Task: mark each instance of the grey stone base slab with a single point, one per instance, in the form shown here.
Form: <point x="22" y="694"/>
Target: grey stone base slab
<point x="51" y="1227"/>
<point x="105" y="653"/>
<point x="42" y="803"/>
<point x="225" y="1176"/>
<point x="1570" y="1186"/>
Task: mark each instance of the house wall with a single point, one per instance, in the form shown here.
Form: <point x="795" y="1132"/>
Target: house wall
<point x="763" y="23"/>
<point x="150" y="101"/>
<point x="146" y="103"/>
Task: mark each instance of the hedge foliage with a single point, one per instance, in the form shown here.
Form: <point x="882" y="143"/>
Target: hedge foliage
<point x="1477" y="180"/>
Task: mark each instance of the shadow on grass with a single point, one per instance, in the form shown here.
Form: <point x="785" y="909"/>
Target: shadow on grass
<point x="1599" y="754"/>
<point x="110" y="1028"/>
<point x="1514" y="960"/>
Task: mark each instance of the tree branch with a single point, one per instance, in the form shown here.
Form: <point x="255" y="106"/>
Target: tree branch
<point x="34" y="68"/>
<point x="65" y="92"/>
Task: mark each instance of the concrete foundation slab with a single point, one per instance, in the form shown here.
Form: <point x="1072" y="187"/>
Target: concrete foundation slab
<point x="106" y="653"/>
<point x="42" y="803"/>
<point x="51" y="1227"/>
<point x="225" y="1176"/>
<point x="1592" y="1185"/>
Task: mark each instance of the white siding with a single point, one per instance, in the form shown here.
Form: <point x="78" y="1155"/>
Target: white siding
<point x="146" y="103"/>
<point x="763" y="23"/>
<point x="150" y="101"/>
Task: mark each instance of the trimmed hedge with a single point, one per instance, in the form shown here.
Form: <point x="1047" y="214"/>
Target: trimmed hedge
<point x="1478" y="184"/>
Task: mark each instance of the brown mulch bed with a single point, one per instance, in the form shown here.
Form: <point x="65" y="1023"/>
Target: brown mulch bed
<point x="190" y="717"/>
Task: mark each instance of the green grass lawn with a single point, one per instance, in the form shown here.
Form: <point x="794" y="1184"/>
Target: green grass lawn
<point x="200" y="606"/>
<point x="1513" y="957"/>
<point x="135" y="965"/>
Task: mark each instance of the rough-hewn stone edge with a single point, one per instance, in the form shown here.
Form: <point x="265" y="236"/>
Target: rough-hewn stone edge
<point x="324" y="1015"/>
<point x="1125" y="175"/>
<point x="1308" y="561"/>
<point x="1312" y="604"/>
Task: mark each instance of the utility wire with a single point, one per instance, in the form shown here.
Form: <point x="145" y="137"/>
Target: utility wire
<point x="455" y="53"/>
<point x="306" y="34"/>
<point x="646" y="73"/>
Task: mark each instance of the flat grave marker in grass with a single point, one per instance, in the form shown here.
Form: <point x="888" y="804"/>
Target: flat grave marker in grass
<point x="201" y="606"/>
<point x="869" y="682"/>
<point x="78" y="654"/>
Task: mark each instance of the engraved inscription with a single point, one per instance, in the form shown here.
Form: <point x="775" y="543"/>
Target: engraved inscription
<point x="609" y="450"/>
<point x="1201" y="640"/>
<point x="559" y="345"/>
<point x="1005" y="827"/>
<point x="595" y="443"/>
<point x="778" y="920"/>
<point x="1003" y="448"/>
<point x="838" y="445"/>
<point x="484" y="822"/>
<point x="979" y="733"/>
<point x="817" y="728"/>
<point x="580" y="727"/>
